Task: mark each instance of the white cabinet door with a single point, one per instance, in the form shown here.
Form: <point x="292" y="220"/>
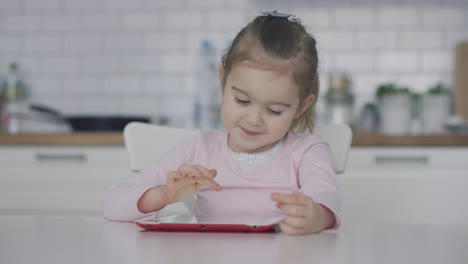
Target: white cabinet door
<point x="396" y="184"/>
<point x="58" y="179"/>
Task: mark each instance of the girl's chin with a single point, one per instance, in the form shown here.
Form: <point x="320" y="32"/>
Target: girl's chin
<point x="242" y="147"/>
<point x="248" y="148"/>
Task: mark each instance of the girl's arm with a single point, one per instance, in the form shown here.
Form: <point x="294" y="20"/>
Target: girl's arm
<point x="119" y="202"/>
<point x="303" y="215"/>
<point x="151" y="190"/>
<point x="317" y="205"/>
<point x="151" y="200"/>
<point x="180" y="185"/>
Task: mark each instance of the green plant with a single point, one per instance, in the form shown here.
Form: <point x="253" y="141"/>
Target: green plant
<point x="439" y="89"/>
<point x="416" y="96"/>
<point x="391" y="89"/>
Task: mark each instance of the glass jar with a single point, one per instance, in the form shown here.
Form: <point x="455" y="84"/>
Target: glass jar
<point x="368" y="119"/>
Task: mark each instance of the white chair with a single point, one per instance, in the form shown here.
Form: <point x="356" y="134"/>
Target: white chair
<point x="338" y="137"/>
<point x="147" y="143"/>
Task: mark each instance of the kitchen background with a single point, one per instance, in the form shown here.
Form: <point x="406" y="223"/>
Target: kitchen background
<point x="123" y="57"/>
<point x="141" y="56"/>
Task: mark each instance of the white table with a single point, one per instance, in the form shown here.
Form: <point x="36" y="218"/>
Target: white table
<point x="71" y="239"/>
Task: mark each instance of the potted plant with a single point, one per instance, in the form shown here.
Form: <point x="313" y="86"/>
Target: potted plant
<point x="394" y="104"/>
<point x="436" y="108"/>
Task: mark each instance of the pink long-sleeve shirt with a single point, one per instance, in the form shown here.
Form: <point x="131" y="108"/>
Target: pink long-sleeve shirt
<point x="303" y="164"/>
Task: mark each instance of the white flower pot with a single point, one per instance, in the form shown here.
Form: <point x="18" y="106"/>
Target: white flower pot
<point x="435" y="111"/>
<point x="395" y="114"/>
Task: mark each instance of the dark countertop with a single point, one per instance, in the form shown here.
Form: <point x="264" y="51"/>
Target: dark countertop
<point x="116" y="138"/>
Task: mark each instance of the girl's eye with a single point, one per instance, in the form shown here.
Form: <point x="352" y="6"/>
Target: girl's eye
<point x="274" y="112"/>
<point x="242" y="101"/>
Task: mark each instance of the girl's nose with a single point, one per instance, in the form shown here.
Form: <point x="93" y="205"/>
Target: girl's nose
<point x="254" y="117"/>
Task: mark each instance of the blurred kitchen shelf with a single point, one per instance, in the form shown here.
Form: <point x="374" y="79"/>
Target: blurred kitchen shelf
<point x="116" y="138"/>
<point x="375" y="139"/>
<point x="82" y="138"/>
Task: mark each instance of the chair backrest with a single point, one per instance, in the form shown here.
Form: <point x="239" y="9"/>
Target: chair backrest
<point x="339" y="137"/>
<point x="147" y="143"/>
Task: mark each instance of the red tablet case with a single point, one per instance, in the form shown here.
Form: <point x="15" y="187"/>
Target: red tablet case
<point x="154" y="225"/>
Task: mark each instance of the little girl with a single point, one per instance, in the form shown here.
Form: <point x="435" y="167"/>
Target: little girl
<point x="259" y="164"/>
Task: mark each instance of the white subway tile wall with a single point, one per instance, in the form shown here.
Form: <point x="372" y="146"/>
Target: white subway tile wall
<point x="398" y="17"/>
<point x="140" y="56"/>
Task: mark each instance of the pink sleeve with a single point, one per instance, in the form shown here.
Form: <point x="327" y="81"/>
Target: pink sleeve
<point x="317" y="179"/>
<point x="119" y="202"/>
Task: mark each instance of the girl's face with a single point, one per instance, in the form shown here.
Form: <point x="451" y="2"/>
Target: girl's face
<point x="258" y="107"/>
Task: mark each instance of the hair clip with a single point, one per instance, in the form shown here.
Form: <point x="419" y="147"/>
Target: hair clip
<point x="292" y="18"/>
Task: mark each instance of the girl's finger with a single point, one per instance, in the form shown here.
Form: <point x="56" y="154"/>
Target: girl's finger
<point x="187" y="180"/>
<point x="196" y="170"/>
<point x="289" y="230"/>
<point x="206" y="172"/>
<point x="189" y="170"/>
<point x="201" y="180"/>
<point x="293" y="210"/>
<point x="209" y="182"/>
<point x="295" y="222"/>
<point x="172" y="176"/>
<point x="289" y="198"/>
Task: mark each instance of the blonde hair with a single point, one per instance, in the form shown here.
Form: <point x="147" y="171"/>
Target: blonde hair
<point x="275" y="43"/>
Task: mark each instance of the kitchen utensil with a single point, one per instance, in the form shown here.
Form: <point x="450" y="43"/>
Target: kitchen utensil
<point x="18" y="118"/>
<point x="91" y="122"/>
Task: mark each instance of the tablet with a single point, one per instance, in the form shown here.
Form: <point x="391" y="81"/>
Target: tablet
<point x="212" y="223"/>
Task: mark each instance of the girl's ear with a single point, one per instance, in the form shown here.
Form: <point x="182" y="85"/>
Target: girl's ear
<point x="305" y="105"/>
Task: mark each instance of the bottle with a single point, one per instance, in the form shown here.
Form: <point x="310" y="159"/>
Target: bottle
<point x="207" y="93"/>
<point x="13" y="93"/>
<point x="12" y="88"/>
<point x="339" y="100"/>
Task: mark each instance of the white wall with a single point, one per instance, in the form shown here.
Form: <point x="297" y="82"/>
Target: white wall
<point x="138" y="56"/>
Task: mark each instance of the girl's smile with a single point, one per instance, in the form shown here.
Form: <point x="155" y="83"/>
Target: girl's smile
<point x="249" y="133"/>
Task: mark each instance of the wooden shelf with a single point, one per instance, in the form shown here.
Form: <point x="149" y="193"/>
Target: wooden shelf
<point x="89" y="138"/>
<point x="116" y="138"/>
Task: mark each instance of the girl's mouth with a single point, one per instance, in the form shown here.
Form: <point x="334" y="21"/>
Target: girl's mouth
<point x="249" y="133"/>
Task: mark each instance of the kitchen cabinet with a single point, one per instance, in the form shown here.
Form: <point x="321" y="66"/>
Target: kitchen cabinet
<point x="406" y="184"/>
<point x="35" y="179"/>
<point x="412" y="184"/>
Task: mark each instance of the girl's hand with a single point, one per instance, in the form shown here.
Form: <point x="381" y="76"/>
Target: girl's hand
<point x="303" y="215"/>
<point x="186" y="181"/>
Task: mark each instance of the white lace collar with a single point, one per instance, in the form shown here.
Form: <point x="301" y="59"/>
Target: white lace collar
<point x="252" y="161"/>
